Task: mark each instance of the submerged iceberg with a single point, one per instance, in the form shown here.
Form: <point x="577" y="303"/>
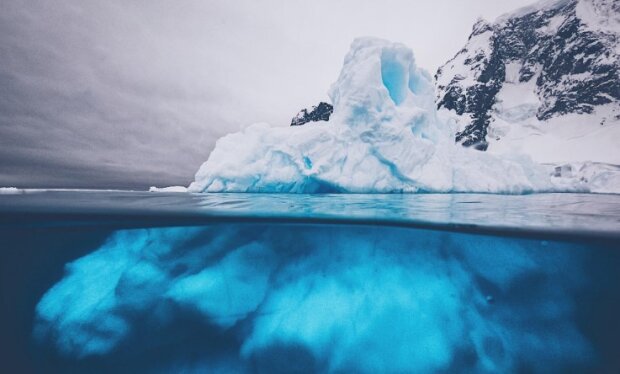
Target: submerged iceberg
<point x="240" y="297"/>
<point x="384" y="136"/>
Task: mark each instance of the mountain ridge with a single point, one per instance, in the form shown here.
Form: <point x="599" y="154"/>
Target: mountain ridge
<point x="535" y="65"/>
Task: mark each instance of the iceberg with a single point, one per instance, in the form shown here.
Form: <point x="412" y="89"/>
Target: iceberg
<point x="385" y="136"/>
<point x="280" y="298"/>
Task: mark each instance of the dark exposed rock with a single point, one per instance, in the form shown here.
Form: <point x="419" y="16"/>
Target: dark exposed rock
<point x="321" y="112"/>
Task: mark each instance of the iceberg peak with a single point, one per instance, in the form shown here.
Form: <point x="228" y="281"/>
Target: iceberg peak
<point x="380" y="82"/>
<point x="384" y="136"/>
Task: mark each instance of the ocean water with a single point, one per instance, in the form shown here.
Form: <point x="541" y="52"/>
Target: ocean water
<point x="95" y="281"/>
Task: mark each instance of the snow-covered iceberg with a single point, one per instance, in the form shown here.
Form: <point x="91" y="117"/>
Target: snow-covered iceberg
<point x="384" y="136"/>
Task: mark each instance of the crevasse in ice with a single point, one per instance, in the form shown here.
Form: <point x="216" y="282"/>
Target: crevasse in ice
<point x="384" y="136"/>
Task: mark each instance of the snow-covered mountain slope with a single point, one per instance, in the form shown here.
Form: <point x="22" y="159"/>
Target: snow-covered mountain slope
<point x="384" y="136"/>
<point x="317" y="113"/>
<point x="543" y="80"/>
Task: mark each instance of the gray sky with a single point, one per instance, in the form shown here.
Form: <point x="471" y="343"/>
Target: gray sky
<point x="128" y="94"/>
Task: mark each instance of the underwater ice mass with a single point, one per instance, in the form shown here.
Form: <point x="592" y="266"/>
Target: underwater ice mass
<point x="322" y="298"/>
<point x="385" y="135"/>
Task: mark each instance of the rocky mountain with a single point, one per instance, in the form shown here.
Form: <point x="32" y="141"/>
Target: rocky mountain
<point x="320" y="112"/>
<point x="543" y="79"/>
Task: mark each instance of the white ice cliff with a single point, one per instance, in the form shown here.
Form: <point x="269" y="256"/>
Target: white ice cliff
<point x="384" y="136"/>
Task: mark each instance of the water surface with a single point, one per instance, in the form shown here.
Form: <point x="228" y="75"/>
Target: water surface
<point x="558" y="213"/>
<point x="153" y="282"/>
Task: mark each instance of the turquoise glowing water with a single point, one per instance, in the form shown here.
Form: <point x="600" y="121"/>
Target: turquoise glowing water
<point x="153" y="282"/>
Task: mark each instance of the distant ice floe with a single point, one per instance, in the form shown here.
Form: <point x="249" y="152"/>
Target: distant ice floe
<point x="168" y="189"/>
<point x="384" y="136"/>
<point x="320" y="299"/>
<point x="19" y="191"/>
<point x="9" y="190"/>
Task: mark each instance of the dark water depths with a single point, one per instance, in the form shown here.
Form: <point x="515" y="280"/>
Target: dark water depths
<point x="135" y="282"/>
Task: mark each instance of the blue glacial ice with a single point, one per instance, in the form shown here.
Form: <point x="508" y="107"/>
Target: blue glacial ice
<point x="384" y="136"/>
<point x="338" y="299"/>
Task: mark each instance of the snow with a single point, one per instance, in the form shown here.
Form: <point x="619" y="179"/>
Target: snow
<point x="599" y="15"/>
<point x="512" y="72"/>
<point x="384" y="136"/>
<point x="564" y="139"/>
<point x="553" y="25"/>
<point x="580" y="77"/>
<point x="596" y="15"/>
<point x="352" y="299"/>
<point x="540" y="6"/>
<point x="478" y="45"/>
<point x="516" y="100"/>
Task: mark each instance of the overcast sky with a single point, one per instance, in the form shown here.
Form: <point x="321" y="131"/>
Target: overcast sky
<point x="128" y="94"/>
